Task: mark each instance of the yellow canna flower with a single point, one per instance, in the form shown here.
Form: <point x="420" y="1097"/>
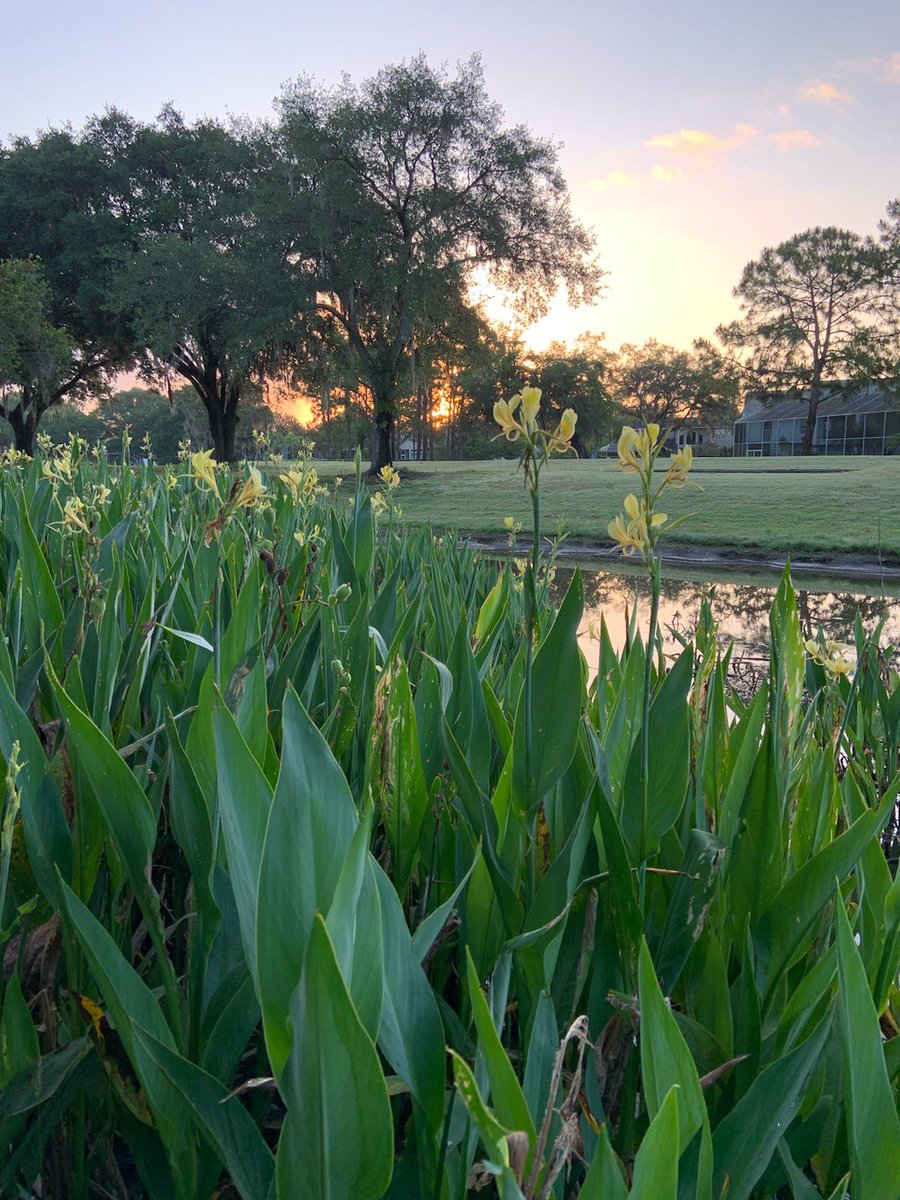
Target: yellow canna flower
<point x="630" y="536"/>
<point x="567" y="425"/>
<point x="379" y="504"/>
<point x="253" y="489"/>
<point x="835" y="657"/>
<point x="74" y="515"/>
<point x="503" y="415"/>
<point x="509" y="522"/>
<point x="204" y="470"/>
<point x="531" y="403"/>
<point x="389" y="477"/>
<point x="677" y="474"/>
<point x="628" y="449"/>
<point x="292" y="481"/>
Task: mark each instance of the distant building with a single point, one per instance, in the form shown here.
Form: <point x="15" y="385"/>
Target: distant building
<point x="702" y="437"/>
<point x="860" y="422"/>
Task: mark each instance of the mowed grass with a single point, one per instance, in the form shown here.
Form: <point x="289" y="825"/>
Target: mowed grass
<point x="820" y="506"/>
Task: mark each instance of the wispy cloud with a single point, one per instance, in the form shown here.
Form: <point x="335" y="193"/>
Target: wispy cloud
<point x="666" y="174"/>
<point x="795" y="139"/>
<point x="888" y="69"/>
<point x="701" y="143"/>
<point x="613" y="179"/>
<point x="822" y="92"/>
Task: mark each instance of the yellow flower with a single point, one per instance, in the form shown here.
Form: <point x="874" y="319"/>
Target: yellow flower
<point x="531" y="403"/>
<point x="204" y="471"/>
<point x="835" y="657"/>
<point x="379" y="504"/>
<point x="73" y="515"/>
<point x="629" y="537"/>
<point x="292" y="481"/>
<point x="389" y="477"/>
<point x="253" y="489"/>
<point x="567" y="425"/>
<point x="509" y="522"/>
<point x="677" y="474"/>
<point x="632" y="534"/>
<point x="60" y="468"/>
<point x="504" y="411"/>
<point x="637" y="450"/>
<point x="627" y="449"/>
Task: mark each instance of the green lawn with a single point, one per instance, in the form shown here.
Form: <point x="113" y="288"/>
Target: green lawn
<point x="819" y="506"/>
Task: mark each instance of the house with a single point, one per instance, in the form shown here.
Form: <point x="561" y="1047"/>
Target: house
<point x="702" y="437"/>
<point x="850" y="422"/>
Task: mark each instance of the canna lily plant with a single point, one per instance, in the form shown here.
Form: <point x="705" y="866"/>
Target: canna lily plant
<point x="637" y="531"/>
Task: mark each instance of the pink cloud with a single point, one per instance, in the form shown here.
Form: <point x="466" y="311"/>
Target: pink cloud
<point x="793" y="139"/>
<point x="826" y="93"/>
<point x="888" y="69"/>
<point x="701" y="143"/>
<point x="613" y="179"/>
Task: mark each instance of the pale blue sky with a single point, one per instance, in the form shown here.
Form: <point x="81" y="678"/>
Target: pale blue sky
<point x="694" y="133"/>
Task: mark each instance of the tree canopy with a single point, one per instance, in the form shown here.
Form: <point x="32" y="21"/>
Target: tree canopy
<point x="655" y="382"/>
<point x="55" y="208"/>
<point x="402" y="190"/>
<point x="815" y="317"/>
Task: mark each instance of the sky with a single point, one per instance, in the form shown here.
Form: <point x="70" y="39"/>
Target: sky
<point x="691" y="134"/>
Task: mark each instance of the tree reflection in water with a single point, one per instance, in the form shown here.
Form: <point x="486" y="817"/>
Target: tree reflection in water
<point x="740" y="607"/>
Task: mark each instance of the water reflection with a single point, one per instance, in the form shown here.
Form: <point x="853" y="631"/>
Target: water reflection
<point x="740" y="604"/>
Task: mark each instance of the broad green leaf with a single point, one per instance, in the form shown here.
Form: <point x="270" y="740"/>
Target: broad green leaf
<point x="507" y="1097"/>
<point x="744" y="1142"/>
<point x="656" y="1163"/>
<point x="871" y="1108"/>
<point x="604" y="1180"/>
<point x="337" y="1142"/>
<point x="411" y="1035"/>
<point x="666" y="1063"/>
<point x="546" y="732"/>
<point x="669" y="764"/>
<point x="222" y="1118"/>
<point x="788" y="925"/>
<point x="311" y="824"/>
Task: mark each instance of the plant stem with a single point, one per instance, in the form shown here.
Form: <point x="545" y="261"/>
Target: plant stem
<point x="655" y="577"/>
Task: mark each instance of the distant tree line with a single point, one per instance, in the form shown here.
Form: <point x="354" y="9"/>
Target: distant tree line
<point x="333" y="251"/>
<point x="222" y="253"/>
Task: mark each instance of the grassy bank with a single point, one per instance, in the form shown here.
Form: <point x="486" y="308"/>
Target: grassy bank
<point x="818" y="506"/>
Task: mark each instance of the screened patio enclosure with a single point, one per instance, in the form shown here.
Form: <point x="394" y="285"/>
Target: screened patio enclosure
<point x="863" y="422"/>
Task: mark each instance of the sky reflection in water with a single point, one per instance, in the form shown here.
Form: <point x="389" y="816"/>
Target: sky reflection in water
<point x="740" y="604"/>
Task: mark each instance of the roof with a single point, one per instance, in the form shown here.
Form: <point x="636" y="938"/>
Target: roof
<point x="867" y="399"/>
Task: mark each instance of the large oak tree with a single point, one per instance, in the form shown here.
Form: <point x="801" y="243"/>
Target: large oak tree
<point x="209" y="283"/>
<point x="56" y="209"/>
<point x="404" y="190"/>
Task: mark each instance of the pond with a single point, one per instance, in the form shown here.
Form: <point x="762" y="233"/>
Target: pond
<point x="740" y="603"/>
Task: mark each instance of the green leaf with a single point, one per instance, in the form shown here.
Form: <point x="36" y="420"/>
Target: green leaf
<point x="312" y="810"/>
<point x="222" y="1118"/>
<point x="669" y="764"/>
<point x="411" y="1036"/>
<point x="337" y="1142"/>
<point x="507" y="1097"/>
<point x="544" y="740"/>
<point x="871" y="1109"/>
<point x="744" y="1142"/>
<point x="245" y="799"/>
<point x="131" y="1003"/>
<point x="126" y="810"/>
<point x="604" y="1180"/>
<point x="787" y="926"/>
<point x="666" y="1063"/>
<point x="656" y="1163"/>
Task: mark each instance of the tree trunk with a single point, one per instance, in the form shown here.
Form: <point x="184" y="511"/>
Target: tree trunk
<point x="810" y="428"/>
<point x="223" y="427"/>
<point x="384" y="428"/>
<point x="23" y="420"/>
